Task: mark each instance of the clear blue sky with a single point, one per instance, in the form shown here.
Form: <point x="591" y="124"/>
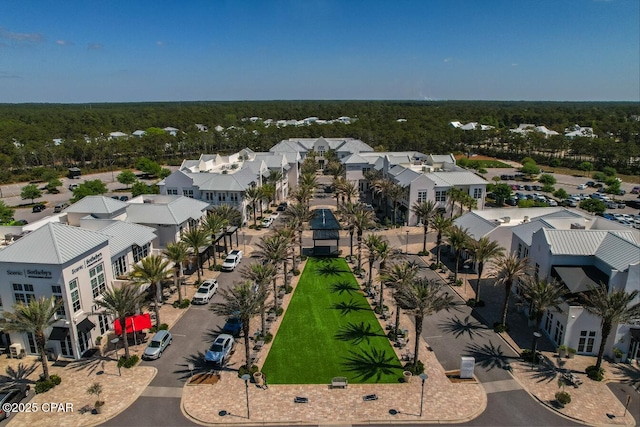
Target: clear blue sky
<point x="138" y="50"/>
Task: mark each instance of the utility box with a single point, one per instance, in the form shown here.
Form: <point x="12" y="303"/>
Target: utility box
<point x="16" y="351"/>
<point x="74" y="173"/>
<point x="467" y="365"/>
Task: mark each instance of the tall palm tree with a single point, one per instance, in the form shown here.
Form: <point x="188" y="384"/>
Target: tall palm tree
<point x="543" y="295"/>
<point x="398" y="276"/>
<point x="347" y="214"/>
<point x="153" y="270"/>
<point x="362" y="220"/>
<point x="214" y="223"/>
<point x="253" y="195"/>
<point x="233" y="217"/>
<point x="470" y="203"/>
<point x="371" y="242"/>
<point x="195" y="238"/>
<point x="612" y="307"/>
<point x="275" y="178"/>
<point x="455" y="195"/>
<point x="297" y="214"/>
<point x="509" y="270"/>
<point x="425" y="211"/>
<point x="422" y="297"/>
<point x="441" y="225"/>
<point x="34" y="317"/>
<point x="272" y="249"/>
<point x="483" y="251"/>
<point x="458" y="238"/>
<point x="303" y="194"/>
<point x="177" y="253"/>
<point x="384" y="253"/>
<point x="338" y="183"/>
<point x="260" y="274"/>
<point x="242" y="301"/>
<point x="350" y="191"/>
<point x="309" y="180"/>
<point x="394" y="192"/>
<point x="268" y="191"/>
<point x="287" y="236"/>
<point x="121" y="302"/>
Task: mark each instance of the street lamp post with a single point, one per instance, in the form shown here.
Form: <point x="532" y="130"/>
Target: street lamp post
<point x="115" y="343"/>
<point x="534" y="347"/>
<point x="244" y="242"/>
<point x="406" y="246"/>
<point x="423" y="377"/>
<point x="246" y="378"/>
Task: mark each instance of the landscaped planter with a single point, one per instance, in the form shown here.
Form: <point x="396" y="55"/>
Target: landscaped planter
<point x="407" y="376"/>
<point x="257" y="378"/>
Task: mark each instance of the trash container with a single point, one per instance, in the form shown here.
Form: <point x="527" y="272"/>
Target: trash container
<point x="51" y="355"/>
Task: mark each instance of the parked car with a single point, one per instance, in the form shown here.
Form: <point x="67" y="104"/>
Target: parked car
<point x="124" y="198"/>
<point x="233" y="326"/>
<point x="282" y="207"/>
<point x="527" y="187"/>
<point x="266" y="223"/>
<point x="205" y="292"/>
<point x="38" y="208"/>
<point x="552" y="203"/>
<point x="621" y="205"/>
<point x="12" y="395"/>
<point x="220" y="350"/>
<point x="636" y="190"/>
<point x="611" y="205"/>
<point x="511" y="202"/>
<point x="60" y="207"/>
<point x="232" y="260"/>
<point x="582" y="186"/>
<point x="158" y="343"/>
<point x="591" y="184"/>
<point x="73" y="186"/>
<point x="572" y="203"/>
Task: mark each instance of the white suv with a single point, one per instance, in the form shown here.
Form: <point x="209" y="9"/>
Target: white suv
<point x="205" y="292"/>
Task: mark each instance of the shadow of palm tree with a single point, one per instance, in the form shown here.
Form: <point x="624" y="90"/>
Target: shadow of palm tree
<point x="372" y="364"/>
<point x="344" y="286"/>
<point x="347" y="307"/>
<point x="18" y="375"/>
<point x="489" y="356"/>
<point x="630" y="373"/>
<point x="357" y="333"/>
<point x="459" y="327"/>
<point x="546" y="374"/>
<point x="199" y="367"/>
<point x="330" y="270"/>
<point x="94" y="363"/>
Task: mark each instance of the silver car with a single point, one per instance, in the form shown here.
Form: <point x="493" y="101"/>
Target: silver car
<point x="160" y="341"/>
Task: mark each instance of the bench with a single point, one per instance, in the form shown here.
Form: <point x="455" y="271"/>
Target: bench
<point x="339" y="382"/>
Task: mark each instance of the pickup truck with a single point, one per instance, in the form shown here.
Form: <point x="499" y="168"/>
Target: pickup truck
<point x="232" y="260"/>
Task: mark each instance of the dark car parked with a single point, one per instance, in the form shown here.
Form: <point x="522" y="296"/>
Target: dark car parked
<point x="12" y="395"/>
<point x="38" y="208"/>
<point x="233" y="326"/>
<point x="282" y="207"/>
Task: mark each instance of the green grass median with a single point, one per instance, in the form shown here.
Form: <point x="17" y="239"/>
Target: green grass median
<point x="330" y="330"/>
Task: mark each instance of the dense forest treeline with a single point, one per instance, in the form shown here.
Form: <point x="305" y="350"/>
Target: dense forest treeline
<point x="27" y="131"/>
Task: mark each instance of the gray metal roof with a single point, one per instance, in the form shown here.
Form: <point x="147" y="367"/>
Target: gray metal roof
<point x="574" y="242"/>
<point x="477" y="226"/>
<point x="123" y="235"/>
<point x="457" y="178"/>
<point x="525" y="231"/>
<point x="618" y="252"/>
<point x="97" y="205"/>
<point x="166" y="210"/>
<point x="53" y="243"/>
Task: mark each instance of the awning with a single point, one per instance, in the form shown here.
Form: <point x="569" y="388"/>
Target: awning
<point x="580" y="278"/>
<point x="86" y="325"/>
<point x="635" y="334"/>
<point x="326" y="235"/>
<point x="134" y="323"/>
<point x="59" y="334"/>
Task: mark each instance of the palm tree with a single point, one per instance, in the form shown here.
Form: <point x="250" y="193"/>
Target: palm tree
<point x="458" y="238"/>
<point x="309" y="180"/>
<point x="298" y="214"/>
<point x="470" y="203"/>
<point x="214" y="224"/>
<point x="371" y="242"/>
<point x="153" y="270"/>
<point x="425" y="211"/>
<point x="195" y="238"/>
<point x="260" y="274"/>
<point x="232" y="216"/>
<point x="510" y="270"/>
<point x="34" y="317"/>
<point x="274" y="178"/>
<point x="542" y="295"/>
<point x="121" y="302"/>
<point x="483" y="251"/>
<point x="441" y="225"/>
<point x="287" y="235"/>
<point x="612" y="307"/>
<point x="242" y="301"/>
<point x="268" y="191"/>
<point x="272" y="249"/>
<point x="350" y="191"/>
<point x="338" y="184"/>
<point x="362" y="220"/>
<point x="384" y="253"/>
<point x="177" y="253"/>
<point x="303" y="195"/>
<point x="422" y="297"/>
<point x="455" y="195"/>
<point x="394" y="192"/>
<point x="398" y="276"/>
<point x="347" y="213"/>
<point x="253" y="195"/>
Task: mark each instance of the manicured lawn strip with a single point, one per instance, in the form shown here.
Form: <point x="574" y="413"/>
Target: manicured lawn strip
<point x="307" y="350"/>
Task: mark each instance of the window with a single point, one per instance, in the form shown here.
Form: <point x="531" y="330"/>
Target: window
<point x="321" y="151"/>
<point x="233" y="197"/>
<point x="536" y="271"/>
<point x="33" y="349"/>
<point x="559" y="335"/>
<point x="56" y="290"/>
<point x="441" y="196"/>
<point x="222" y="197"/>
<point x="477" y="193"/>
<point x="119" y="266"/>
<point x="65" y="346"/>
<point x="75" y="295"/>
<point x="422" y="196"/>
<point x="586" y="342"/>
<point x="0" y="303"/>
<point x="140" y="252"/>
<point x="519" y="250"/>
<point x="103" y="323"/>
<point x="98" y="284"/>
<point x="172" y="191"/>
<point x="23" y="293"/>
<point x="187" y="193"/>
<point x="365" y="170"/>
<point x="548" y="323"/>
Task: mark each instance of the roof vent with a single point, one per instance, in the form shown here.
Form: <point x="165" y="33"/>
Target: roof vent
<point x="576" y="226"/>
<point x="506" y="219"/>
<point x="150" y="201"/>
<point x="525" y="219"/>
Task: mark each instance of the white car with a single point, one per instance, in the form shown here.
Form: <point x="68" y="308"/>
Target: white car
<point x="582" y="186"/>
<point x="232" y="260"/>
<point x="552" y="203"/>
<point x="266" y="223"/>
<point x="205" y="292"/>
